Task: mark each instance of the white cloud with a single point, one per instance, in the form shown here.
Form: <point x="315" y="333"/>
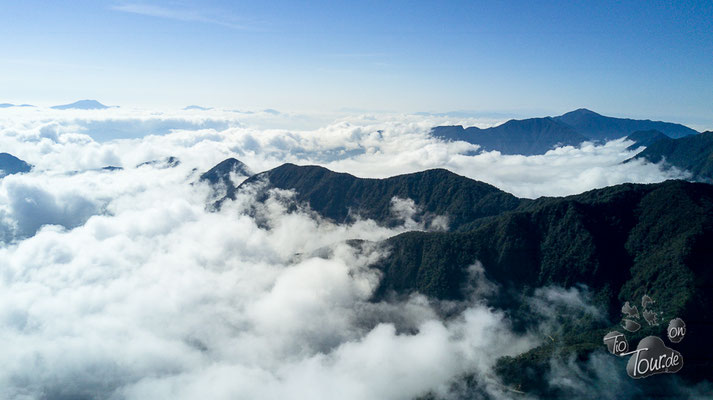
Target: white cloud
<point x="179" y="14"/>
<point x="367" y="146"/>
<point x="162" y="298"/>
<point x="122" y="285"/>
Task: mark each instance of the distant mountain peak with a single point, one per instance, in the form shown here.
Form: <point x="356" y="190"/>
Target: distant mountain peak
<point x="8" y="105"/>
<point x="196" y="107"/>
<point x="516" y="136"/>
<point x="166" y="162"/>
<point x="82" y="105"/>
<point x="599" y="127"/>
<point x="583" y="111"/>
<point x="10" y="164"/>
<point x="539" y="135"/>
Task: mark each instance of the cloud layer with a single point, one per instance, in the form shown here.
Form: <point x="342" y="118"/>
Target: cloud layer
<point x="120" y="284"/>
<point x="164" y="299"/>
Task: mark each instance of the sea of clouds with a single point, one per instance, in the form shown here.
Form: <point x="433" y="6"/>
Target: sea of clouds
<point x="123" y="285"/>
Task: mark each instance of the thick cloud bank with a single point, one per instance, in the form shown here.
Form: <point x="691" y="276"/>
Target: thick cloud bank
<point x="158" y="298"/>
<point x="120" y="284"/>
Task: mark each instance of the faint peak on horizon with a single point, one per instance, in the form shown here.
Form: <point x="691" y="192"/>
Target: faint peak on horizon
<point x="83" y="105"/>
<point x="197" y="107"/>
<point x="9" y="105"/>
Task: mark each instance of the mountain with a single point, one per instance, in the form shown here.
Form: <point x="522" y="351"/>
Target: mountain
<point x="10" y="164"/>
<point x="8" y="105"/>
<point x="166" y="162"/>
<point x="538" y="135"/>
<point x="645" y="138"/>
<point x="691" y="153"/>
<point x="621" y="242"/>
<point x="599" y="127"/>
<point x="195" y="107"/>
<point x="528" y="136"/>
<point x="343" y="197"/>
<point x="219" y="175"/>
<point x="82" y="105"/>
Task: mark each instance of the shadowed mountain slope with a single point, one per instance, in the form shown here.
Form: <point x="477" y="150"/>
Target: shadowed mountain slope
<point x="691" y="153"/>
<point x="342" y="197"/>
<point x="528" y="136"/>
<point x="621" y="242"/>
<point x="538" y="135"/>
<point x="599" y="127"/>
<point x="219" y="175"/>
<point x="645" y="138"/>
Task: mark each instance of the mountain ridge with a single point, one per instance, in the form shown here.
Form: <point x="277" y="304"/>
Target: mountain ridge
<point x="621" y="241"/>
<point x="691" y="153"/>
<point x="600" y="127"/>
<point x="645" y="138"/>
<point x="343" y="197"/>
<point x="527" y="136"/>
<point x="534" y="136"/>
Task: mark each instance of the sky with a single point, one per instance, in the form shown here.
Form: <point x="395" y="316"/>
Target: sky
<point x="125" y="283"/>
<point x="642" y="59"/>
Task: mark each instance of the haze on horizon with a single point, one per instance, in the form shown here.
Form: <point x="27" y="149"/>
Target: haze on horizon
<point x="639" y="59"/>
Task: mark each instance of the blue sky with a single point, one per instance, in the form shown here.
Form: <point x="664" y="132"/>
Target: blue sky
<point x="637" y="58"/>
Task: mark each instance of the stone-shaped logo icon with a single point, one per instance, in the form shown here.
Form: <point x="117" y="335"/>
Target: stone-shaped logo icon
<point x="650" y="317"/>
<point x="630" y="325"/>
<point x="676" y="330"/>
<point x="653" y="357"/>
<point x="616" y="343"/>
<point x="631" y="312"/>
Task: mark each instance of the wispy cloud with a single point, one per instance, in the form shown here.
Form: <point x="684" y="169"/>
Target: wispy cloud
<point x="180" y="14"/>
<point x="358" y="55"/>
